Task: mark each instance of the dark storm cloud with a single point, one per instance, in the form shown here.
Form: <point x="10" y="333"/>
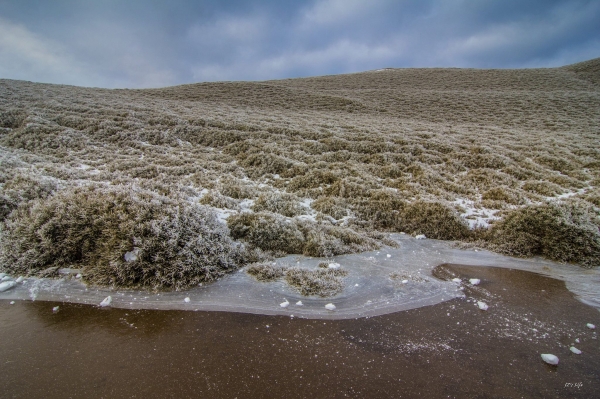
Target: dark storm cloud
<point x="148" y="43"/>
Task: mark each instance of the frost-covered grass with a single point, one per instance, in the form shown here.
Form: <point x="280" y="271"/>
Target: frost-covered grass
<point x="317" y="166"/>
<point x="325" y="281"/>
<point x="119" y="237"/>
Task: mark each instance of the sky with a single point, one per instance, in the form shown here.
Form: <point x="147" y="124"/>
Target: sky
<point x="152" y="43"/>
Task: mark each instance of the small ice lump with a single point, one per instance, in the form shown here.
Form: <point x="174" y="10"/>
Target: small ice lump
<point x="330" y="306"/>
<point x="106" y="302"/>
<point x="550" y="359"/>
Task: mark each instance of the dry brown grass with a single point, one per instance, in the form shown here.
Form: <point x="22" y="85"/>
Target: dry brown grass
<point x="376" y="151"/>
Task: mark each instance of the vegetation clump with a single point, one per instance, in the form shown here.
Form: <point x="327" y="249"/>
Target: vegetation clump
<point x="119" y="237"/>
<point x="266" y="271"/>
<point x="321" y="282"/>
<point x="565" y="232"/>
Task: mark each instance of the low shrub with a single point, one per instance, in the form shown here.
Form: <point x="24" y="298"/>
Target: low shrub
<point x="567" y="232"/>
<point x="119" y="237"/>
<point x="267" y="231"/>
<point x="282" y="203"/>
<point x="321" y="282"/>
<point x="266" y="271"/>
<point x="433" y="219"/>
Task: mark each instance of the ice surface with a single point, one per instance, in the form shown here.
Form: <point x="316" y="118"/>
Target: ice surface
<point x="7" y="285"/>
<point x="375" y="294"/>
<point x="550" y="359"/>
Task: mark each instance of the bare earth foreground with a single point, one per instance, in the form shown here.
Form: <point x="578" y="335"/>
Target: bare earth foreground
<point x="451" y="349"/>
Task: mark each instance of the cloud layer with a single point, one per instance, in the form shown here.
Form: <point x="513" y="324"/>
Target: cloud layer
<point x="154" y="43"/>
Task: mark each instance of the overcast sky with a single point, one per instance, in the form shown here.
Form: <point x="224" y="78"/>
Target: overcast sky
<point x="152" y="43"/>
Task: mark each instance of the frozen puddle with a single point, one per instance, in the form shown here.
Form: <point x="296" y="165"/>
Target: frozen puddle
<point x="378" y="282"/>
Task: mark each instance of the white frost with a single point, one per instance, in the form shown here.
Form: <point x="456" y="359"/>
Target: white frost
<point x="550" y="359"/>
<point x="330" y="306"/>
<point x="106" y="302"/>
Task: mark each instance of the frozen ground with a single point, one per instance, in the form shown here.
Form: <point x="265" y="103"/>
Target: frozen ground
<point x="379" y="282"/>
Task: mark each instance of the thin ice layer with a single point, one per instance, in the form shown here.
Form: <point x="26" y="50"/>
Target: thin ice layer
<point x="378" y="282"/>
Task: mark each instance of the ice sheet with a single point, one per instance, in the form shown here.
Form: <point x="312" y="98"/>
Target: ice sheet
<point x="369" y="289"/>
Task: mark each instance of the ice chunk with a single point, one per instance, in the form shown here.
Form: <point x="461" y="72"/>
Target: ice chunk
<point x="589" y="325"/>
<point x="106" y="301"/>
<point x="474" y="281"/>
<point x="79" y="275"/>
<point x="299" y="303"/>
<point x="421" y="237"/>
<point x="330" y="306"/>
<point x="55" y="309"/>
<point x="575" y="350"/>
<point x="404" y="281"/>
<point x="388" y="255"/>
<point x="187" y="299"/>
<point x="285" y="303"/>
<point x="550" y="359"/>
<point x="131" y="255"/>
<point x="7" y="285"/>
<point x="12" y="302"/>
<point x="577" y="340"/>
<point x="19" y="279"/>
<point x="457" y="280"/>
<point x="333" y="265"/>
<point x="482" y="305"/>
<point x="6" y="278"/>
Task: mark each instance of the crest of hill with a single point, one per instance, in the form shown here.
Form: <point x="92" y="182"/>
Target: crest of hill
<point x="588" y="70"/>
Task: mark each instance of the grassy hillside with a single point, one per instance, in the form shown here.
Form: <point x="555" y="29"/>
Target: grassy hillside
<point x="321" y="166"/>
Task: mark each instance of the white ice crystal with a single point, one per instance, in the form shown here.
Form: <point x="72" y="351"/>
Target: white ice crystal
<point x="550" y="359"/>
<point x="106" y="301"/>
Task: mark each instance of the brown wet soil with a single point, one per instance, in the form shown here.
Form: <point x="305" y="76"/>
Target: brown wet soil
<point x="451" y="349"/>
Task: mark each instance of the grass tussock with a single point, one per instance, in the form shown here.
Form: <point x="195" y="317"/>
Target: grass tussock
<point x="321" y="282"/>
<point x="565" y="232"/>
<point x="266" y="271"/>
<point x="119" y="237"/>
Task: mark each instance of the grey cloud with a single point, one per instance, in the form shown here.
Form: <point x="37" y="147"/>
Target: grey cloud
<point x="154" y="43"/>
